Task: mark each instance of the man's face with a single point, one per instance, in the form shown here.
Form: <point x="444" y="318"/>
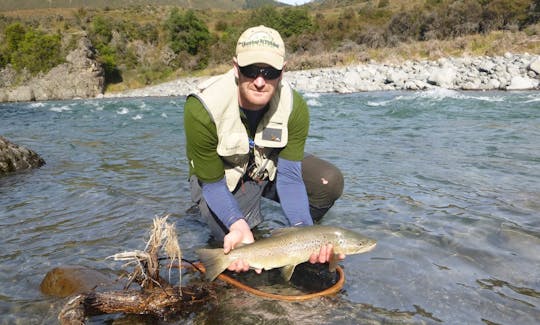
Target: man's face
<point x="254" y="92"/>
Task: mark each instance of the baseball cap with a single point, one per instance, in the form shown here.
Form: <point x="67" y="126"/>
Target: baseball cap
<point x="260" y="44"/>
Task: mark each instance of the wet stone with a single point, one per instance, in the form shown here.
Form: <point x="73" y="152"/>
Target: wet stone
<point x="65" y="281"/>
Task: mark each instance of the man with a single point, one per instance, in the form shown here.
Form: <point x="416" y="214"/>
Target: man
<point x="245" y="137"/>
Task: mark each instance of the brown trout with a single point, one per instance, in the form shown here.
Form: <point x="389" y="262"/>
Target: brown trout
<point x="286" y="248"/>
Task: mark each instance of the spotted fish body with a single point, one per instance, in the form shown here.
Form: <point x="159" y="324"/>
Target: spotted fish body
<point x="287" y="248"/>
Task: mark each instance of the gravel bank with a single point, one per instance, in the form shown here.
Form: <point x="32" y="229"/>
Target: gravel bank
<point x="508" y="72"/>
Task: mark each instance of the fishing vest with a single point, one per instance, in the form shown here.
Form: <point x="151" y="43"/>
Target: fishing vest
<point x="219" y="95"/>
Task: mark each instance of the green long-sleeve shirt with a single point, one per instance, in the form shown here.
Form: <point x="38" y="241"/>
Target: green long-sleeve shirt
<point x="202" y="138"/>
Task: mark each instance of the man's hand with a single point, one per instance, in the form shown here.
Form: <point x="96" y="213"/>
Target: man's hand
<point x="324" y="255"/>
<point x="239" y="233"/>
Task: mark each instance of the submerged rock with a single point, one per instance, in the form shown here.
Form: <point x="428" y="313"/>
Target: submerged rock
<point x="14" y="157"/>
<point x="67" y="280"/>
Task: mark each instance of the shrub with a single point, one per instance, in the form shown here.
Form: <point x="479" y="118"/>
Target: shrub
<point x="187" y="33"/>
<point x="294" y="21"/>
<point x="456" y="19"/>
<point x="500" y="14"/>
<point x="3" y="60"/>
<point x="267" y="16"/>
<point x="37" y="52"/>
<point x="221" y="26"/>
<point x="101" y="30"/>
<point x="149" y="33"/>
<point x="405" y="26"/>
<point x="13" y="36"/>
<point x="288" y="22"/>
<point x="224" y="46"/>
<point x="108" y="58"/>
<point x="533" y="16"/>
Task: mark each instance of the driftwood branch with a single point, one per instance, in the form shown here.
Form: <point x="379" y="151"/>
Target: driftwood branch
<point x="157" y="302"/>
<point x="157" y="296"/>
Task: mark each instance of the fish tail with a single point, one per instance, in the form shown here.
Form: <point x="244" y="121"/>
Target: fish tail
<point x="214" y="261"/>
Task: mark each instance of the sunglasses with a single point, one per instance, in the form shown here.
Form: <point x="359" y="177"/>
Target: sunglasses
<point x="253" y="71"/>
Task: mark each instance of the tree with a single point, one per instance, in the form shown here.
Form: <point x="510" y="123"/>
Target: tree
<point x="37" y="52"/>
<point x="101" y="30"/>
<point x="3" y="60"/>
<point x="501" y="14"/>
<point x="13" y="36"/>
<point x="294" y="21"/>
<point x="405" y="26"/>
<point x="288" y="22"/>
<point x="187" y="33"/>
<point x="107" y="56"/>
<point x="267" y="16"/>
<point x="458" y="18"/>
<point x="534" y="13"/>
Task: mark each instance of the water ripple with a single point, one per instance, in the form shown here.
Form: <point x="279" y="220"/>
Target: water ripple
<point x="448" y="183"/>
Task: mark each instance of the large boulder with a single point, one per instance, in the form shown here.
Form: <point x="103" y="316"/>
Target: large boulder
<point x="442" y="77"/>
<point x="522" y="83"/>
<point x="535" y="65"/>
<point x="80" y="77"/>
<point x="14" y="157"/>
<point x="64" y="281"/>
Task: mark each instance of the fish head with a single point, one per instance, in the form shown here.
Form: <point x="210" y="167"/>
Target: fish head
<point x="351" y="242"/>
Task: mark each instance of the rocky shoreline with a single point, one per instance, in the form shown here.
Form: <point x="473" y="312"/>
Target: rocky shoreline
<point x="508" y="72"/>
<point x="82" y="77"/>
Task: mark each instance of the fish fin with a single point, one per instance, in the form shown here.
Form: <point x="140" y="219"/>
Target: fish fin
<point x="332" y="264"/>
<point x="283" y="231"/>
<point x="287" y="271"/>
<point x="214" y="261"/>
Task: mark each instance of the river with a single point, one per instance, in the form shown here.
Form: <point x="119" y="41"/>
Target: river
<point x="447" y="182"/>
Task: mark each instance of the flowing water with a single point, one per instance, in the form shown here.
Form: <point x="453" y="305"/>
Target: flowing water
<point x="447" y="182"/>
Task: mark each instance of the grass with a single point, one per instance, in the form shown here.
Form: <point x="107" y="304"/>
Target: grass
<point x="494" y="44"/>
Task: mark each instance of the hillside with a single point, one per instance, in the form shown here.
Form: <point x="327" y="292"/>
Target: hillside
<point x="140" y="44"/>
<point x="11" y="5"/>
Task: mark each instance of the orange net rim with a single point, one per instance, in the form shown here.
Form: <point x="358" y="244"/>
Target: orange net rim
<point x="326" y="292"/>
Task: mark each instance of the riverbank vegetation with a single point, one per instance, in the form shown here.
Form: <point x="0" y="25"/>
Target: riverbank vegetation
<point x="144" y="44"/>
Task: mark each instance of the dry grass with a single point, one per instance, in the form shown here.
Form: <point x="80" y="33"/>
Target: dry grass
<point x="163" y="237"/>
<point x="25" y="14"/>
<point x="494" y="44"/>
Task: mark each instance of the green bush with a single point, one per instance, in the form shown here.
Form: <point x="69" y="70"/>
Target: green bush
<point x="294" y="21"/>
<point x="149" y="33"/>
<point x="405" y="26"/>
<point x="101" y="30"/>
<point x="187" y="33"/>
<point x="267" y="16"/>
<point x="3" y="60"/>
<point x="224" y="46"/>
<point x="221" y="26"/>
<point x="13" y="36"/>
<point x="37" y="52"/>
<point x="501" y="14"/>
<point x="457" y="19"/>
<point x="533" y="16"/>
<point x="288" y="22"/>
<point x="107" y="57"/>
